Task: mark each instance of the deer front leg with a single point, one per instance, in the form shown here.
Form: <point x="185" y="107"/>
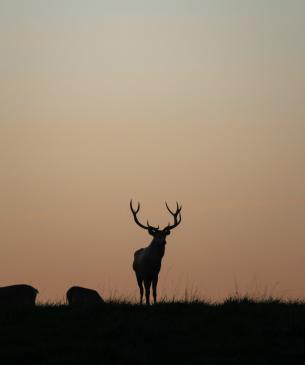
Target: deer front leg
<point x="147" y="284"/>
<point x="140" y="284"/>
<point x="154" y="288"/>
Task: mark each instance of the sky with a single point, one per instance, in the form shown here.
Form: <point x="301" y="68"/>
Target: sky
<point x="200" y="102"/>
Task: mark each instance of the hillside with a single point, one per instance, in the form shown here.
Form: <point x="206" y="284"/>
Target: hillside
<point x="235" y="332"/>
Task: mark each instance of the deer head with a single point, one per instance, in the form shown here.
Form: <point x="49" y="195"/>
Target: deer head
<point x="158" y="234"/>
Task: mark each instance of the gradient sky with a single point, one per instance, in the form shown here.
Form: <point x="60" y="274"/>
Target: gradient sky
<point x="197" y="101"/>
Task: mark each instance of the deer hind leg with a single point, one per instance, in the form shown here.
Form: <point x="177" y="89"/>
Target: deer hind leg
<point x="154" y="288"/>
<point x="140" y="284"/>
<point x="147" y="284"/>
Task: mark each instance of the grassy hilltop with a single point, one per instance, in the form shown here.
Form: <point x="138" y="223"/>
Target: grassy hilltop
<point x="235" y="332"/>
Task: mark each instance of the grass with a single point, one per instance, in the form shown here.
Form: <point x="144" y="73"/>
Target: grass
<point x="240" y="330"/>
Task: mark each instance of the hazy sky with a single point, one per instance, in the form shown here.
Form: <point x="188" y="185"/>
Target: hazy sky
<point x="197" y="101"/>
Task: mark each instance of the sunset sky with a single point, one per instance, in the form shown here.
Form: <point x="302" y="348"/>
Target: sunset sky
<point x="201" y="102"/>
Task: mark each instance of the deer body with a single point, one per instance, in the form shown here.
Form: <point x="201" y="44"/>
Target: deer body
<point x="18" y="295"/>
<point x="147" y="261"/>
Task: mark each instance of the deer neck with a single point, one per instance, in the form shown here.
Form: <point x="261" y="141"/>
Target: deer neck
<point x="157" y="249"/>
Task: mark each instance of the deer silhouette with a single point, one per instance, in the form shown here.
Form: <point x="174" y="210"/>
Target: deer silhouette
<point x="18" y="295"/>
<point x="77" y="295"/>
<point x="147" y="261"/>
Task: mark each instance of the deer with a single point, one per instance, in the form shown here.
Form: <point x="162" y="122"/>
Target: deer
<point x="147" y="261"/>
<point x="77" y="295"/>
<point x="18" y="295"/>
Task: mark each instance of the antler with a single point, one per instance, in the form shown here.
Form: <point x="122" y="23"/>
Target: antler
<point x="135" y="212"/>
<point x="176" y="215"/>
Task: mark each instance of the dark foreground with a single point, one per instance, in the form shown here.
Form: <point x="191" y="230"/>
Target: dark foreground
<point x="236" y="332"/>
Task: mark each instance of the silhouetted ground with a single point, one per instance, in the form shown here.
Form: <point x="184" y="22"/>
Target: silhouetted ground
<point x="236" y="332"/>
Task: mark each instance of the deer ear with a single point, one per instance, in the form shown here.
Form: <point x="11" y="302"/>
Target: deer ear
<point x="167" y="232"/>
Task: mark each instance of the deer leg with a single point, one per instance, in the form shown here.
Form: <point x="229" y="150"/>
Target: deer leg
<point x="147" y="283"/>
<point x="154" y="288"/>
<point x="140" y="284"/>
